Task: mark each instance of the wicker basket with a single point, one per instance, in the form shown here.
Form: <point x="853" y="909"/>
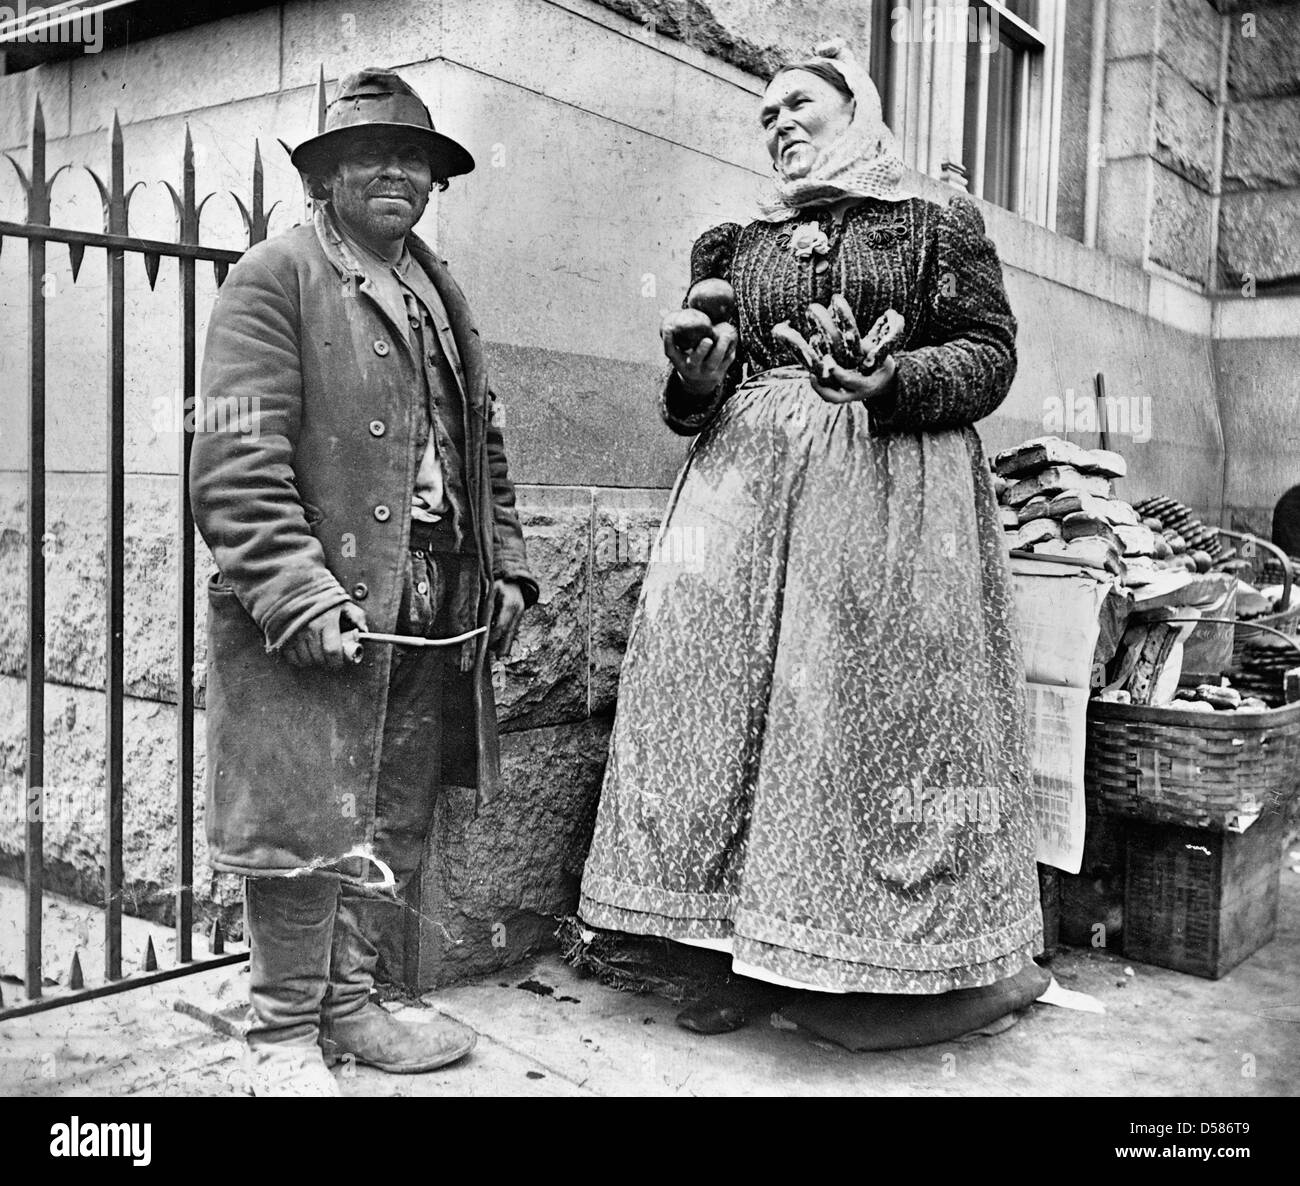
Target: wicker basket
<point x="1197" y="769"/>
<point x="1265" y="557"/>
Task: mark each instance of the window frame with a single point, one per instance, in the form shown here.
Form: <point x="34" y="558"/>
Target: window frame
<point x="925" y="101"/>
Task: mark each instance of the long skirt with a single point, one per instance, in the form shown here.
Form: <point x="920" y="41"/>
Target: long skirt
<point x="819" y="760"/>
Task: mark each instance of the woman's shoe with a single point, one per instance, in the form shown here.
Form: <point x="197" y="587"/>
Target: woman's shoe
<point x="713" y="1016"/>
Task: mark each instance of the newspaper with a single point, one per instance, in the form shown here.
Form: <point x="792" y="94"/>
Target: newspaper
<point x="1058" y="611"/>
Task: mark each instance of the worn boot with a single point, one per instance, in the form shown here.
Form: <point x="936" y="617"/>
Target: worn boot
<point x="354" y="1025"/>
<point x="290" y="924"/>
<point x="375" y="1037"/>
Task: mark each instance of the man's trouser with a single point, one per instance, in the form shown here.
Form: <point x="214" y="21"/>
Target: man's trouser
<point x="313" y="937"/>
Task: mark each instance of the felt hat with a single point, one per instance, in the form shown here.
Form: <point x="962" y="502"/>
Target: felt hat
<point x="371" y="99"/>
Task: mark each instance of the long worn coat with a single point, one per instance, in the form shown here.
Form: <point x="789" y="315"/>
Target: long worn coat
<point x="303" y="466"/>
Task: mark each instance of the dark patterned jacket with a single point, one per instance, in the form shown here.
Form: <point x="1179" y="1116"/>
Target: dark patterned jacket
<point x="932" y="264"/>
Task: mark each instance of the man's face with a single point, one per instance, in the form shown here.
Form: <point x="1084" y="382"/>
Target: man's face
<point x="380" y="186"/>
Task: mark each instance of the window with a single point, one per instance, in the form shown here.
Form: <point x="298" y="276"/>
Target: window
<point x="1004" y="75"/>
<point x="972" y="91"/>
<point x="883" y="53"/>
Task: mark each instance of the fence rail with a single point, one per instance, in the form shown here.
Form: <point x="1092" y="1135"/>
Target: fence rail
<point x="116" y="243"/>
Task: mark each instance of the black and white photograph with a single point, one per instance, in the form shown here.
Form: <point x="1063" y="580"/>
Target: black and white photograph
<point x="651" y="548"/>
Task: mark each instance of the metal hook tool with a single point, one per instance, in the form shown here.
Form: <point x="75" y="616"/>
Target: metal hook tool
<point x="353" y="639"/>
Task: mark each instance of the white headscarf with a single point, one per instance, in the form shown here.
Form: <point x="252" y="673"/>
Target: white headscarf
<point x="861" y="162"/>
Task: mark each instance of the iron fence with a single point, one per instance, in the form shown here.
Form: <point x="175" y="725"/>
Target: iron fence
<point x="117" y="243"/>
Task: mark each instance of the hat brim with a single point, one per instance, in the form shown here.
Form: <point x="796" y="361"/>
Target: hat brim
<point x="317" y="155"/>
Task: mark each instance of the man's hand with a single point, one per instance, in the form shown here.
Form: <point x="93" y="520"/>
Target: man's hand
<point x="319" y="642"/>
<point x="507" y="607"/>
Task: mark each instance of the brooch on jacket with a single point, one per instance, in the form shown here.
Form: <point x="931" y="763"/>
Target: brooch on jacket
<point x="808" y="240"/>
<point x="885" y="235"/>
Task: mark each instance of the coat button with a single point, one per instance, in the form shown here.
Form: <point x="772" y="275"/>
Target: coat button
<point x="422" y="588"/>
<point x="381" y="347"/>
<point x="433" y="359"/>
<point x="381" y="513"/>
<point x="360" y="592"/>
<point x="377" y="428"/>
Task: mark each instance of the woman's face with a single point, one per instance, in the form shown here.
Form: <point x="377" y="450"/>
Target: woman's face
<point x="802" y="114"/>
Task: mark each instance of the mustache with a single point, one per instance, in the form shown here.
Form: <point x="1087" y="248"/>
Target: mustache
<point x="388" y="190"/>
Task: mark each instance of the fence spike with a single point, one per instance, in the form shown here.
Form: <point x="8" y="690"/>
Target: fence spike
<point x="76" y="252"/>
<point x="26" y="182"/>
<point x="150" y="958"/>
<point x="219" y="269"/>
<point x="245" y="215"/>
<point x="190" y="216"/>
<point x="259" y="201"/>
<point x="216" y="938"/>
<point x="151" y="261"/>
<point x="75" y="978"/>
<point x="319" y="97"/>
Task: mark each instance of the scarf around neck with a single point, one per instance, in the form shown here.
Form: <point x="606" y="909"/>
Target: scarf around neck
<point x="862" y="162"/>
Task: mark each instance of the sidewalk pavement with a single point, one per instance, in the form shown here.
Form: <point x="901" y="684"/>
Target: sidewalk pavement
<point x="546" y="1030"/>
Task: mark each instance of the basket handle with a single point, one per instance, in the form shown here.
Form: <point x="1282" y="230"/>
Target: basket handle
<point x="1246" y="537"/>
<point x="1240" y="625"/>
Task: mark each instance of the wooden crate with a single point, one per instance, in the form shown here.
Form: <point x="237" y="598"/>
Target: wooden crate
<point x="1198" y="900"/>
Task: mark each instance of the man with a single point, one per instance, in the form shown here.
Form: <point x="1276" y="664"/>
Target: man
<point x="370" y="493"/>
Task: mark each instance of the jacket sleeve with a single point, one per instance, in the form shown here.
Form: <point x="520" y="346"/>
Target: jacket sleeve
<point x="687" y="414"/>
<point x="246" y="503"/>
<point x="963" y="369"/>
<point x="509" y="556"/>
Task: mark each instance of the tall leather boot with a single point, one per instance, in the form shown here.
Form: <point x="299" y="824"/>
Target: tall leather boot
<point x="352" y="1025"/>
<point x="290" y="923"/>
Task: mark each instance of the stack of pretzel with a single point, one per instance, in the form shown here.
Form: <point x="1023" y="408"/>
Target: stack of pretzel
<point x="1193" y="545"/>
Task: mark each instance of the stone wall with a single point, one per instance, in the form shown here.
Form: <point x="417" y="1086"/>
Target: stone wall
<point x="1258" y="241"/>
<point x="1202" y="128"/>
<point x="1257" y="373"/>
<point x="1257" y="351"/>
<point x="754" y="35"/>
<point x="1159" y="133"/>
<point x="604" y="147"/>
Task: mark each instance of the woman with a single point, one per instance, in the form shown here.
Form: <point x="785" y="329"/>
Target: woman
<point x="818" y="762"/>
